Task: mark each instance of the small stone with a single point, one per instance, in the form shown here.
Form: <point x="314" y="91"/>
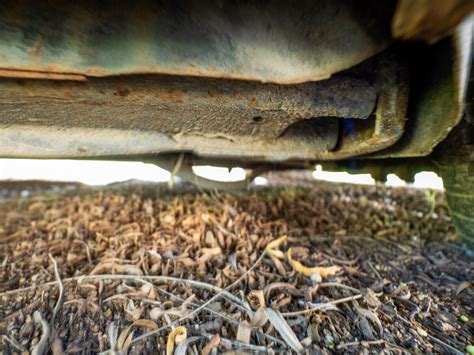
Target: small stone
<point x="447" y="328"/>
<point x="316" y="277"/>
<point x="421" y="332"/>
<point x="210" y="240"/>
<point x="470" y="349"/>
<point x="464" y="318"/>
<point x="411" y="343"/>
<point x="365" y="329"/>
<point x="329" y="341"/>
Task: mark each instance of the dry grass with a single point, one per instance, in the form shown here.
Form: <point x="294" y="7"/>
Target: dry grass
<point x="369" y="268"/>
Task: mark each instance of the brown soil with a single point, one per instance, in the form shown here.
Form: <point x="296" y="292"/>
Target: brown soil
<point x="141" y="270"/>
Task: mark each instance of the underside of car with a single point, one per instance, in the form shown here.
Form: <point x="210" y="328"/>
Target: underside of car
<point x="257" y="84"/>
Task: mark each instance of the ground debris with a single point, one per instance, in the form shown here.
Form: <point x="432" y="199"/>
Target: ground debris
<point x="317" y="269"/>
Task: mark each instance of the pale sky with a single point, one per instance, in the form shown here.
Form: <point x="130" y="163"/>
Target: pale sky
<point x="94" y="172"/>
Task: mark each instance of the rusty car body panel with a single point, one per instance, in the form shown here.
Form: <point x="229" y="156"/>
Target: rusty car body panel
<point x="277" y="41"/>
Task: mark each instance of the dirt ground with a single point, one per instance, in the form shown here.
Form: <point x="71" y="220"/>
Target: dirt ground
<point x="317" y="268"/>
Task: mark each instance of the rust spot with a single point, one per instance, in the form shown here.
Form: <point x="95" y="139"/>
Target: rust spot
<point x="57" y="72"/>
<point x="122" y="92"/>
<point x="252" y="102"/>
<point x="216" y="96"/>
<point x="175" y="96"/>
<point x="26" y="74"/>
<point x="211" y="94"/>
<point x="35" y="51"/>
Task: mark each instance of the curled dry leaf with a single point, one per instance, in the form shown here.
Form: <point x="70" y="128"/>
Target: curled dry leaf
<point x="209" y="253"/>
<point x="245" y="328"/>
<point x="176" y="336"/>
<point x="156" y="313"/>
<point x="371" y="316"/>
<point x="115" y="268"/>
<point x="308" y="271"/>
<point x="279" y="266"/>
<point x="57" y="346"/>
<point x="122" y="235"/>
<point x="40" y="348"/>
<point x="133" y="311"/>
<point x="126" y="336"/>
<point x="182" y="347"/>
<point x="371" y="298"/>
<point x="112" y="335"/>
<point x="73" y="258"/>
<point x="14" y="343"/>
<point x="280" y="285"/>
<point x="324" y="307"/>
<point x="256" y="298"/>
<point x="282" y="327"/>
<point x="177" y="312"/>
<point x="259" y="318"/>
<point x="463" y="286"/>
<point x="273" y="245"/>
<point x="244" y="331"/>
<point x="213" y="343"/>
<point x="145" y="323"/>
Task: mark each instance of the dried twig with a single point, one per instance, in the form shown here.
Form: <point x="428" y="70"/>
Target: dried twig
<point x="375" y="271"/>
<point x="321" y="306"/>
<point x="204" y="305"/>
<point x="360" y="343"/>
<point x="61" y="290"/>
<point x="436" y="340"/>
<point x="337" y="284"/>
<point x="284" y="329"/>
<point x="141" y="278"/>
<point x="174" y="236"/>
<point x="40" y="348"/>
<point x="239" y="344"/>
<point x="223" y="316"/>
<point x="14" y="343"/>
<point x="88" y="252"/>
